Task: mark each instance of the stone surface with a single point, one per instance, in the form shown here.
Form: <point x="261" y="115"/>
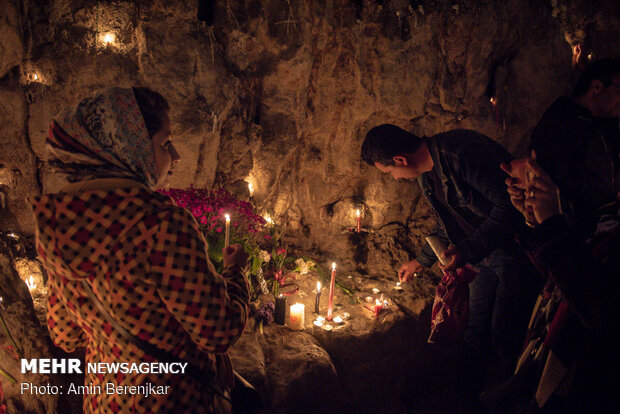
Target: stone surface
<point x="281" y="94"/>
<point x="25" y="321"/>
<point x="356" y="366"/>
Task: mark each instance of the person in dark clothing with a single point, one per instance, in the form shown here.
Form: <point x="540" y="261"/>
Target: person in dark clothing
<point x="577" y="141"/>
<point x="570" y="362"/>
<point x="458" y="172"/>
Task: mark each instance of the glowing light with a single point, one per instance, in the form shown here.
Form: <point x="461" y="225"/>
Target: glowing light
<point x="337" y="319"/>
<point x="109" y="38"/>
<point x="12" y="235"/>
<point x="493" y="100"/>
<point x="318" y="286"/>
<point x="251" y="188"/>
<point x="269" y="220"/>
<point x="357" y="212"/>
<point x="334" y="266"/>
<point x="227" y="216"/>
<point x="30" y="283"/>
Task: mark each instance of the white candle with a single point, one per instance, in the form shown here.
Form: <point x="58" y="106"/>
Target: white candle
<point x="227" y="236"/>
<point x="296" y="321"/>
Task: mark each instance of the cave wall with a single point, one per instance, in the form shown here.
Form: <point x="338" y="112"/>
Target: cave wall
<point x="280" y="93"/>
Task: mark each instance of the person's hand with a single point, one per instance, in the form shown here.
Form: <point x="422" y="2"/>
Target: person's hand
<point x="517" y="195"/>
<point x="407" y="271"/>
<point x="542" y="196"/>
<point x="454" y="258"/>
<point x="234" y="255"/>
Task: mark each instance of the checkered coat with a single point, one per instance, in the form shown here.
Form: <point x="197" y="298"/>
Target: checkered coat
<point x="146" y="260"/>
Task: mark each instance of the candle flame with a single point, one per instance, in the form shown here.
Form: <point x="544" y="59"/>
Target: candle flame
<point x="268" y="219"/>
<point x="227" y="216"/>
<point x="357" y="212"/>
<point x="109" y="38"/>
<point x="35" y="76"/>
<point x="30" y="283"/>
<point x="251" y="188"/>
<point x="334" y="266"/>
<point x="318" y="286"/>
<point x="377" y="302"/>
<point x="493" y="100"/>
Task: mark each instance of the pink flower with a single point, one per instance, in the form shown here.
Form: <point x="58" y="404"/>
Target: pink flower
<point x="281" y="250"/>
<point x="268" y="237"/>
<point x="219" y="229"/>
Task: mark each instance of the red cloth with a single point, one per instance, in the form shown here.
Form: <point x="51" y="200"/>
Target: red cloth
<point x="451" y="307"/>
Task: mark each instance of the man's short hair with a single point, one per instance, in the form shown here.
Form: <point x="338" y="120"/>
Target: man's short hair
<point x="603" y="69"/>
<point x="386" y="141"/>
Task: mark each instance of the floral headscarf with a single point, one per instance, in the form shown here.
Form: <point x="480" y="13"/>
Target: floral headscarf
<point x="103" y="136"/>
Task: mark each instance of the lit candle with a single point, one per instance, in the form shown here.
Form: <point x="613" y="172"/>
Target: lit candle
<point x="377" y="308"/>
<point x="280" y="311"/>
<point x="330" y="302"/>
<point x="269" y="220"/>
<point x="251" y="188"/>
<point x="318" y="297"/>
<point x="296" y="321"/>
<point x="359" y="221"/>
<point x="109" y="38"/>
<point x="338" y="320"/>
<point x="30" y="283"/>
<point x="227" y="236"/>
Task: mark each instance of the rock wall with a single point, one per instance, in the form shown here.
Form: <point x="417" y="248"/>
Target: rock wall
<point x="280" y="93"/>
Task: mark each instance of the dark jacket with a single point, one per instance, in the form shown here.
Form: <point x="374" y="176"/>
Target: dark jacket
<point x="576" y="352"/>
<point x="580" y="154"/>
<point x="468" y="165"/>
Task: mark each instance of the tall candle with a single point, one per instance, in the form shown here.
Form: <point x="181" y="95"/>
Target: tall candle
<point x="318" y="297"/>
<point x="359" y="221"/>
<point x="280" y="311"/>
<point x="296" y="320"/>
<point x="227" y="236"/>
<point x="330" y="302"/>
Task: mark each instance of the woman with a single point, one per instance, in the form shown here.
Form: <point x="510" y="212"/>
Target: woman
<point x="121" y="258"/>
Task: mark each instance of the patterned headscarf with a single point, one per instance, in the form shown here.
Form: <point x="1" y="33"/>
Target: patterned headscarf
<point x="103" y="136"/>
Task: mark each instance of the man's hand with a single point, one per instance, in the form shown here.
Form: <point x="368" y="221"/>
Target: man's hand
<point x="234" y="255"/>
<point x="517" y="196"/>
<point x="455" y="259"/>
<point x="407" y="270"/>
<point x="542" y="196"/>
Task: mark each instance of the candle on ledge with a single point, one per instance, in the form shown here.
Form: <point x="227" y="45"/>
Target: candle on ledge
<point x="227" y="236"/>
<point x="296" y="320"/>
<point x="280" y="311"/>
<point x="378" y="307"/>
<point x="330" y="301"/>
<point x="359" y="221"/>
<point x="318" y="297"/>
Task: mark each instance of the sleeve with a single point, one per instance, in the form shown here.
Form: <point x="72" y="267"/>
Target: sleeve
<point x="479" y="165"/>
<point x="212" y="308"/>
<point x="426" y="256"/>
<point x="589" y="285"/>
<point x="64" y="331"/>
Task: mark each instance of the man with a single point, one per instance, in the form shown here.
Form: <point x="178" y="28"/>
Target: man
<point x="459" y="173"/>
<point x="577" y="140"/>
